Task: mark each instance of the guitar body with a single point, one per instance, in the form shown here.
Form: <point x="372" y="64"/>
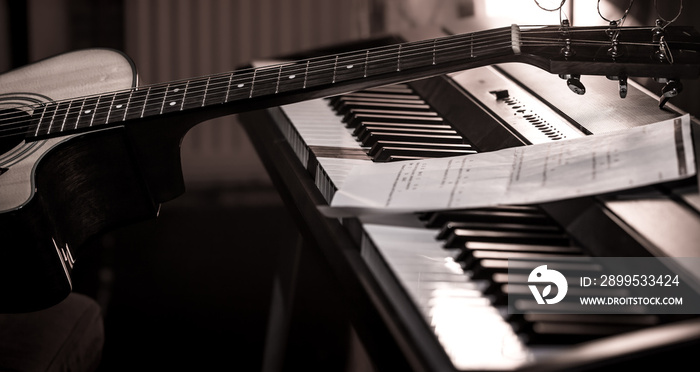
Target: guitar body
<point x="58" y="193"/>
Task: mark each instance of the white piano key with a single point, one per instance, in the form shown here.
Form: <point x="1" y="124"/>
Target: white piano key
<point x="471" y="330"/>
<point x="318" y="125"/>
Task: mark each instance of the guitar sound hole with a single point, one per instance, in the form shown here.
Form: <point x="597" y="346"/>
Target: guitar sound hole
<point x="13" y="126"/>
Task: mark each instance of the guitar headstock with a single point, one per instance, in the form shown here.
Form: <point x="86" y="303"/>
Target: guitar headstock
<point x="665" y="54"/>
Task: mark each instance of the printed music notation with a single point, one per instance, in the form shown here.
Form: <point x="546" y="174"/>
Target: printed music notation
<point x="539" y="173"/>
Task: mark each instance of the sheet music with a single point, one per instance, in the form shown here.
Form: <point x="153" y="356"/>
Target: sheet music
<point x="530" y="174"/>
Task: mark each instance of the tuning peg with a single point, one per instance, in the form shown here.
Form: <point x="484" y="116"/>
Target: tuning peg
<point x="670" y="90"/>
<point x="623" y="86"/>
<point x="574" y="83"/>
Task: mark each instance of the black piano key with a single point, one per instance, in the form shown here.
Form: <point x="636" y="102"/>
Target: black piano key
<point x="523" y="290"/>
<point x="353" y="115"/>
<point x="548" y="333"/>
<point x="530" y="216"/>
<point x="519" y="247"/>
<point x="503" y="278"/>
<point x="364" y="95"/>
<point x="394" y="89"/>
<point x="477" y="256"/>
<point x="358" y="101"/>
<point x="449" y="227"/>
<point x="458" y="237"/>
<point x="366" y="130"/>
<point x="357" y="119"/>
<point x="514" y="289"/>
<point x="374" y="150"/>
<point x="390" y="153"/>
<point x="369" y="131"/>
<point x="369" y="126"/>
<point x="372" y="138"/>
<point x="404" y="157"/>
<point x="347" y="107"/>
<point x="632" y="319"/>
<point x="488" y="267"/>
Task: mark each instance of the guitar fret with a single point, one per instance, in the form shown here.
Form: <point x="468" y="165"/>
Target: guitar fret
<point x="72" y="113"/>
<point x="85" y="113"/>
<point x="306" y="74"/>
<point x="52" y="118"/>
<point x="102" y="110"/>
<point x="335" y="69"/>
<point x="184" y="95"/>
<point x="128" y="102"/>
<point x="411" y="56"/>
<point x="155" y="104"/>
<point x="165" y="95"/>
<point x="58" y="116"/>
<point x="228" y="87"/>
<point x="206" y="89"/>
<point x="383" y="63"/>
<point x="172" y="95"/>
<point x="111" y="105"/>
<point x="279" y="76"/>
<point x="145" y="100"/>
<point x="65" y="117"/>
<point x="119" y="106"/>
<point x="94" y="111"/>
<point x="348" y="68"/>
<point x="471" y="45"/>
<point x="398" y="60"/>
<point x="43" y="112"/>
<point x="77" y="119"/>
<point x="239" y="88"/>
<point x="289" y="78"/>
<point x="252" y="85"/>
<point x="214" y="92"/>
<point x="366" y="60"/>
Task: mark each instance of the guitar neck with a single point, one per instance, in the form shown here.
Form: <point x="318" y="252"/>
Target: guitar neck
<point x="247" y="89"/>
<point x="669" y="53"/>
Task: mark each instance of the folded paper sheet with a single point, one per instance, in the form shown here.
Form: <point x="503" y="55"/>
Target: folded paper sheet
<point x="529" y="174"/>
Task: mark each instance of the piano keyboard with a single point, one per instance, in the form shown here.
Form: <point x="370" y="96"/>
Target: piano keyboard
<point x="451" y="265"/>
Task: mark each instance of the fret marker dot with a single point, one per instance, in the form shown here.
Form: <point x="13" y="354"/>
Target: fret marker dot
<point x="241" y="85"/>
<point x="173" y="103"/>
<point x="176" y="90"/>
<point x="349" y="66"/>
<point x="88" y="111"/>
<point x="292" y="76"/>
<point x="119" y="106"/>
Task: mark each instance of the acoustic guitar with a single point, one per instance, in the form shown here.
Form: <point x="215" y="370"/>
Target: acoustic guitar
<point x="84" y="149"/>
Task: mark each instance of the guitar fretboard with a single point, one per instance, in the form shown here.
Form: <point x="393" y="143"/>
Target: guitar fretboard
<point x="56" y="118"/>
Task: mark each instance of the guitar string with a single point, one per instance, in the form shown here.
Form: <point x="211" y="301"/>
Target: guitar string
<point x="619" y="21"/>
<point x="553" y="9"/>
<point x="15" y="128"/>
<point x="273" y="71"/>
<point x="160" y="97"/>
<point x="223" y="79"/>
<point x="299" y="65"/>
<point x="680" y="10"/>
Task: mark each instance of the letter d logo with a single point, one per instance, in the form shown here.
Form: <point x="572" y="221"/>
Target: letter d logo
<point x="542" y="275"/>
